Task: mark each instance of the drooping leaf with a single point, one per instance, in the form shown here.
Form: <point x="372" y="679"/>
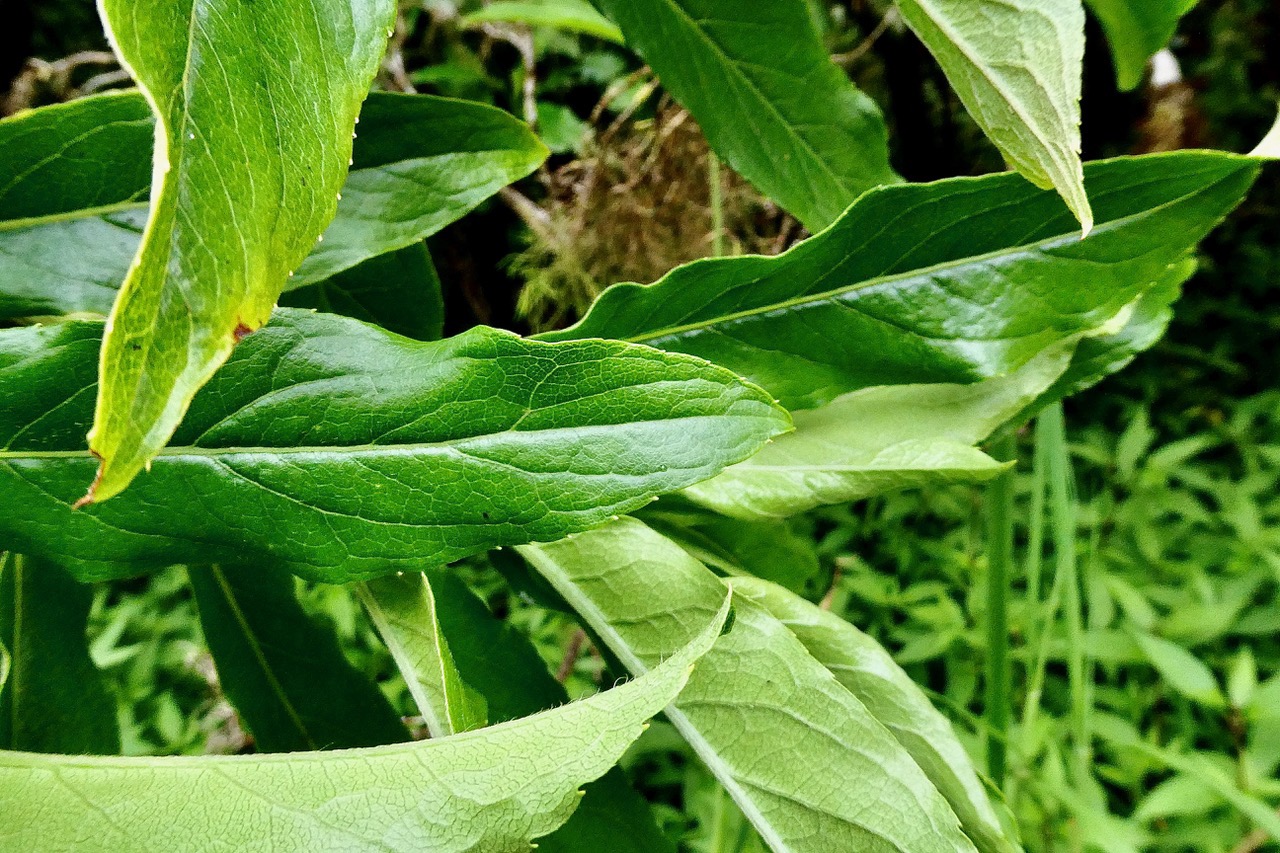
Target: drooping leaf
<point x="1017" y="67"/>
<point x="880" y="439"/>
<point x="869" y="672"/>
<point x="949" y="282"/>
<point x="255" y="107"/>
<point x="398" y="291"/>
<point x="1136" y="30"/>
<point x="420" y="163"/>
<point x="492" y="789"/>
<point x="54" y="699"/>
<point x="572" y="15"/>
<point x="805" y="761"/>
<point x="504" y="667"/>
<point x="283" y="671"/>
<point x="758" y="80"/>
<point x="403" y="609"/>
<point x="343" y="452"/>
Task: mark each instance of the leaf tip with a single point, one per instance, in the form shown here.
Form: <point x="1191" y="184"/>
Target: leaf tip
<point x="91" y="495"/>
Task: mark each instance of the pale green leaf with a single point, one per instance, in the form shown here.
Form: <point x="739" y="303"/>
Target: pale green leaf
<point x="420" y="163"/>
<point x="869" y="672"/>
<point x="572" y="15"/>
<point x="802" y="757"/>
<point x="788" y="120"/>
<point x="255" y="106"/>
<point x="282" y="670"/>
<point x="1269" y="147"/>
<point x="1017" y="67"/>
<point x="951" y="282"/>
<point x="403" y="609"/>
<point x="1136" y="30"/>
<point x="372" y="452"/>
<point x="1184" y="672"/>
<point x="491" y="790"/>
<point x="54" y="699"/>
<point x="879" y="439"/>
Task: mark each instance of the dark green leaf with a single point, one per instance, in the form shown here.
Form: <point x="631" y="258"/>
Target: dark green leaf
<point x="948" y="282"/>
<point x="787" y="120"/>
<point x="54" y="699"/>
<point x="283" y="671"/>
<point x="490" y="790"/>
<point x="398" y="291"/>
<point x="343" y="451"/>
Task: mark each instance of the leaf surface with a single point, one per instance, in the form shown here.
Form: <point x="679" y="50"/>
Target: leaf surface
<point x="403" y="608"/>
<point x="1017" y="67"/>
<point x="802" y="757"/>
<point x="880" y="439"/>
<point x="503" y="666"/>
<point x="373" y="452"/>
<point x="572" y="15"/>
<point x="869" y="672"/>
<point x="421" y="163"/>
<point x="282" y="670"/>
<point x="492" y="789"/>
<point x="951" y="282"/>
<point x="255" y="105"/>
<point x="787" y="120"/>
<point x="1136" y="30"/>
<point x="54" y="699"/>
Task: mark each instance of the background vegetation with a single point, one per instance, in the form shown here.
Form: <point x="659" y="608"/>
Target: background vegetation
<point x="1173" y="512"/>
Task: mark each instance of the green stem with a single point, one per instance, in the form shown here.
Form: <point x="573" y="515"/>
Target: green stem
<point x="997" y="699"/>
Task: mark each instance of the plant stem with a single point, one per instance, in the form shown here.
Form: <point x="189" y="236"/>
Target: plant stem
<point x="996" y="704"/>
<point x="717" y="204"/>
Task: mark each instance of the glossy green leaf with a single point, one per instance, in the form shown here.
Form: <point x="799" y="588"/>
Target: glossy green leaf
<point x="788" y="120"/>
<point x="403" y="609"/>
<point x="282" y="670"/>
<point x="572" y="15"/>
<point x="949" y="282"/>
<point x="372" y="452"/>
<point x="420" y="163"/>
<point x="1017" y="67"/>
<point x="490" y="790"/>
<point x="1136" y="29"/>
<point x="504" y="667"/>
<point x="54" y="699"/>
<point x="869" y="672"/>
<point x="802" y="757"/>
<point x="1184" y="672"/>
<point x="877" y="440"/>
<point x="240" y="194"/>
<point x="398" y="291"/>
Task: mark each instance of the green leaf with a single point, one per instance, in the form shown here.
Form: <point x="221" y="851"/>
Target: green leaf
<point x="398" y="291"/>
<point x="877" y="440"/>
<point x="373" y="452"/>
<point x="403" y="608"/>
<point x="54" y="699"/>
<point x="490" y="790"/>
<point x="420" y="163"/>
<point x="1184" y="672"/>
<point x="787" y="120"/>
<point x="1017" y="67"/>
<point x="951" y="282"/>
<point x="1136" y="30"/>
<point x="572" y="15"/>
<point x="802" y="757"/>
<point x="504" y="667"/>
<point x="255" y="106"/>
<point x="283" y="671"/>
<point x="870" y="673"/>
<point x="1269" y="147"/>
